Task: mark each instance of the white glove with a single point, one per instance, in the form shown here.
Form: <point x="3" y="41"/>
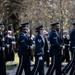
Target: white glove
<point x="48" y="51"/>
<point x="13" y="42"/>
<point x="40" y="58"/>
<point x="63" y="47"/>
<point x="68" y="44"/>
<point x="8" y="45"/>
<point x="3" y="48"/>
<point x="31" y="47"/>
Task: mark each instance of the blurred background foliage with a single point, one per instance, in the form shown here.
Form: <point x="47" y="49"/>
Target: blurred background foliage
<point x="15" y="12"/>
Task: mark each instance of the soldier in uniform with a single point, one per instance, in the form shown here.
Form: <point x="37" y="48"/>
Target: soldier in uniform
<point x="2" y="52"/>
<point x="10" y="46"/>
<point x="55" y="50"/>
<point x="71" y="64"/>
<point x="23" y="52"/>
<point x="66" y="43"/>
<point x="46" y="50"/>
<point x="39" y="52"/>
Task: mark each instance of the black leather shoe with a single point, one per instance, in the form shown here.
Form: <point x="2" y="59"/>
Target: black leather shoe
<point x="63" y="73"/>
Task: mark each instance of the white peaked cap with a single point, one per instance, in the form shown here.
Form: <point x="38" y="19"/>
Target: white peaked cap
<point x="65" y="31"/>
<point x="45" y="32"/>
<point x="9" y="31"/>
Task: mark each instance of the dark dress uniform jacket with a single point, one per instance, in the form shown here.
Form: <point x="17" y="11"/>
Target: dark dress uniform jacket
<point x="23" y="45"/>
<point x="66" y="40"/>
<point x="54" y="39"/>
<point x="1" y="52"/>
<point x="72" y="39"/>
<point x="9" y="50"/>
<point x="24" y="61"/>
<point x="46" y="49"/>
<point x="39" y="52"/>
<point x="2" y="57"/>
<point x="39" y="43"/>
<point x="55" y="53"/>
<point x="46" y="46"/>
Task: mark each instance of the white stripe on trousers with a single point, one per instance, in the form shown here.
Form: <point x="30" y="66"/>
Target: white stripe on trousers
<point x="53" y="64"/>
<point x="73" y="72"/>
<point x="70" y="63"/>
<point x="36" y="67"/>
<point x="20" y="65"/>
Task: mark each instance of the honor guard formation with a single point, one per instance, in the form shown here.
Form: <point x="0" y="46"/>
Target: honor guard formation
<point x="38" y="49"/>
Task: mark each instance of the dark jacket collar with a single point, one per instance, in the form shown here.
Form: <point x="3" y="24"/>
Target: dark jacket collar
<point x="54" y="30"/>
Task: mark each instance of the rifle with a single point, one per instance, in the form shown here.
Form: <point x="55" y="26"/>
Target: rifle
<point x="31" y="41"/>
<point x="30" y="22"/>
<point x="3" y="44"/>
<point x="61" y="31"/>
<point x="13" y="39"/>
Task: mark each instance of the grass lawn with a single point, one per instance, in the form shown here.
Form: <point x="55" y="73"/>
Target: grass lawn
<point x="8" y="67"/>
<point x="16" y="58"/>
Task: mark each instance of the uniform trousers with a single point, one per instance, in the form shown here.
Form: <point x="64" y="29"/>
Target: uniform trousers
<point x="38" y="67"/>
<point x="46" y="58"/>
<point x="73" y="65"/>
<point x="69" y="65"/>
<point x="55" y="65"/>
<point x="24" y="64"/>
<point x="2" y="65"/>
<point x="66" y="54"/>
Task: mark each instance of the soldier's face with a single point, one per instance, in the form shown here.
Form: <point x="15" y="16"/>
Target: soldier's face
<point x="24" y="30"/>
<point x="27" y="28"/>
<point x="42" y="31"/>
<point x="65" y="33"/>
<point x="57" y="27"/>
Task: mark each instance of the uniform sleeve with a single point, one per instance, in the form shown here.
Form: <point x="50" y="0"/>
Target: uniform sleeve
<point x="38" y="42"/>
<point x="23" y="43"/>
<point x="3" y="43"/>
<point x="55" y="41"/>
<point x="72" y="39"/>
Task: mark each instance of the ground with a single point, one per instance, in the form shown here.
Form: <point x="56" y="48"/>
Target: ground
<point x="11" y="70"/>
